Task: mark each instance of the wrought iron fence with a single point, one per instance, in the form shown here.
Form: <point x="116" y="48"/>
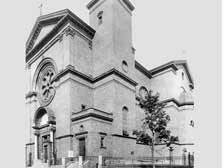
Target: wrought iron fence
<point x="131" y="162"/>
<point x="174" y="160"/>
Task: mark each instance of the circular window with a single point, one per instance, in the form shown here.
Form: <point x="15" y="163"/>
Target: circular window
<point x="46" y="90"/>
<point x="124" y="66"/>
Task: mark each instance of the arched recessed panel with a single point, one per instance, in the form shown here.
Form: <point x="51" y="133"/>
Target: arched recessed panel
<point x="143" y="92"/>
<point x="125" y="121"/>
<point x="43" y="116"/>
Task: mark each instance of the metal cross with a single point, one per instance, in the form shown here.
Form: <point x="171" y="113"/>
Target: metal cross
<point x="41" y="8"/>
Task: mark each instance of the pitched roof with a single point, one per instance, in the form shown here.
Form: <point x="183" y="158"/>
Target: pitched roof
<point x="47" y="26"/>
<point x="172" y="64"/>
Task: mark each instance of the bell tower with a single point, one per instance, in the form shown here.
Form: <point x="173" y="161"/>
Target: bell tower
<point x="112" y="43"/>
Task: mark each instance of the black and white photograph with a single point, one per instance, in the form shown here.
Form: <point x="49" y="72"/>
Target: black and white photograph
<point x="117" y="84"/>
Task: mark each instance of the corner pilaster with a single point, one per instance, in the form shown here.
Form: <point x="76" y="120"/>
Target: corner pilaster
<point x="68" y="36"/>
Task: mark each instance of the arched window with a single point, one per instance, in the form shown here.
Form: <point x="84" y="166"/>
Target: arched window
<point x="41" y="118"/>
<point x="125" y="121"/>
<point x="44" y="119"/>
<point x="143" y="92"/>
<point x="182" y="75"/>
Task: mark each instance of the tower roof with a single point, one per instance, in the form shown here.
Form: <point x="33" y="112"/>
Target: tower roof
<point x="126" y="2"/>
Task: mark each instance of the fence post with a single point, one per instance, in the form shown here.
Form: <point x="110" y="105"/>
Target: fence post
<point x="63" y="162"/>
<point x="100" y="161"/>
<point x="189" y="159"/>
<point x="80" y="162"/>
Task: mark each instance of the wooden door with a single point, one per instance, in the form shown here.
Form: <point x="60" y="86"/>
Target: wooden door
<point x="45" y="153"/>
<point x="82" y="147"/>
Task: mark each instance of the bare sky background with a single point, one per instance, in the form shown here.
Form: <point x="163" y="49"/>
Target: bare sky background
<point x="163" y="30"/>
<point x="171" y="29"/>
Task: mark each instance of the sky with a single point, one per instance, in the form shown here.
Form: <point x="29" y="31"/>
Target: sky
<point x="163" y="30"/>
<point x="169" y="28"/>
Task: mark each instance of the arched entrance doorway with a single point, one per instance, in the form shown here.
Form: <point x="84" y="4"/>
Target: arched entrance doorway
<point x="44" y="131"/>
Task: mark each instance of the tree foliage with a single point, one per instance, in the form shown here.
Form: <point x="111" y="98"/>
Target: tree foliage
<point x="154" y="126"/>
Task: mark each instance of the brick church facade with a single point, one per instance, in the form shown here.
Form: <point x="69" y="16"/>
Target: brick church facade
<point x="82" y="83"/>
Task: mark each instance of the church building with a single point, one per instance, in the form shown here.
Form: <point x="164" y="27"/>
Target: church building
<point x="82" y="83"/>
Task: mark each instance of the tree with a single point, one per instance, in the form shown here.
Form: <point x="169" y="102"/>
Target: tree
<point x="154" y="126"/>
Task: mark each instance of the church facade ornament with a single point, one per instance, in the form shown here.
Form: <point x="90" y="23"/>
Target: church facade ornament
<point x="70" y="31"/>
<point x="45" y="87"/>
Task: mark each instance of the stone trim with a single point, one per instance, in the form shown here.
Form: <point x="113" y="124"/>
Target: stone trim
<point x="71" y="69"/>
<point x="92" y="115"/>
<point x="91" y="4"/>
<point x="163" y="68"/>
<point x="41" y="127"/>
<point x="173" y="65"/>
<point x="142" y="69"/>
<point x="103" y="133"/>
<point x="122" y="136"/>
<point x="30" y="94"/>
<point x="64" y="136"/>
<point x="64" y="17"/>
<point x="81" y="133"/>
<point x="126" y="2"/>
<point x="179" y="104"/>
<point x="30" y="144"/>
<point x="129" y="5"/>
<point x="117" y="73"/>
<point x="92" y="109"/>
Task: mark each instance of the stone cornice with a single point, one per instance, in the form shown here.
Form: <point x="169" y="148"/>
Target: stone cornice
<point x="30" y="94"/>
<point x="64" y="136"/>
<point x="92" y="115"/>
<point x="178" y="104"/>
<point x="92" y="112"/>
<point x="30" y="144"/>
<point x="129" y="4"/>
<point x="126" y="2"/>
<point x="173" y="65"/>
<point x="71" y="69"/>
<point x="170" y="65"/>
<point x="81" y="133"/>
<point x="65" y="17"/>
<point x="122" y="136"/>
<point x="163" y="68"/>
<point x="91" y="4"/>
<point x="142" y="69"/>
<point x="92" y="109"/>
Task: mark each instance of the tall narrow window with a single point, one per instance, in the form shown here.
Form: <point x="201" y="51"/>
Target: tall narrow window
<point x="182" y="74"/>
<point x="100" y="17"/>
<point x="125" y="121"/>
<point x="125" y="66"/>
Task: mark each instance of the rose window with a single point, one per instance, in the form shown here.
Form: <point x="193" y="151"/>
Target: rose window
<point x="45" y="85"/>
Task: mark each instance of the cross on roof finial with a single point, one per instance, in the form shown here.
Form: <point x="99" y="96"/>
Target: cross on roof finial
<point x="41" y="8"/>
